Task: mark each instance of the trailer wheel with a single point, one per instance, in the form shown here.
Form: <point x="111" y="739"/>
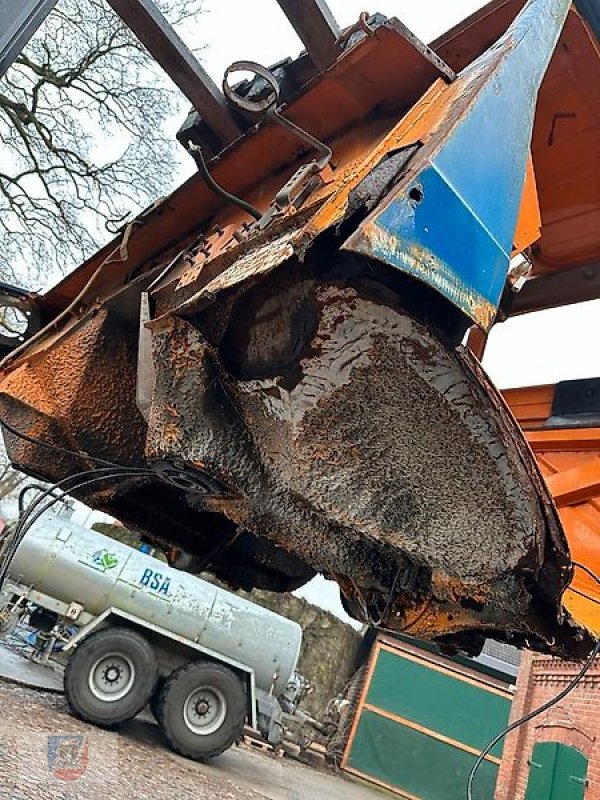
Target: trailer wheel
<point x="110" y="677"/>
<point x="202" y="709"/>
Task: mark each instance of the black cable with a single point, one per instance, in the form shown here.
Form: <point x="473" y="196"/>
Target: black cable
<point x="48" y="490"/>
<point x="528" y="717"/>
<point x="22" y="525"/>
<point x="195" y="150"/>
<point x="536" y="712"/>
<point x="592" y="574"/>
<point x="17" y="535"/>
<point x="24" y="514"/>
<point x="28" y="518"/>
<point x="79" y="485"/>
<point x="583" y="594"/>
<point x="64" y="481"/>
<point x="388" y="603"/>
<point x="25" y="490"/>
<point x="56" y="498"/>
<point x="55" y="447"/>
<point x="26" y="522"/>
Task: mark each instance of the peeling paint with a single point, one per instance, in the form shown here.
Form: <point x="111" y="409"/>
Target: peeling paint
<point x="421" y="262"/>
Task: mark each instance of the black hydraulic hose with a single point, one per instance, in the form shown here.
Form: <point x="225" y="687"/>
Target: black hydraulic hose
<point x="57" y="448"/>
<point x="40" y="487"/>
<point x="194" y="149"/>
<point x="29" y="518"/>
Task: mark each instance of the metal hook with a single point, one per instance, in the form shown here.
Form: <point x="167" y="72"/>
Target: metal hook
<point x="267" y="106"/>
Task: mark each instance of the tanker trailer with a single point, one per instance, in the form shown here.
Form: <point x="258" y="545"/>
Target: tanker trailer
<point x="136" y="631"/>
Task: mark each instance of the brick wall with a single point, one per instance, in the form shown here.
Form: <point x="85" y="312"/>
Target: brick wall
<point x="574" y="722"/>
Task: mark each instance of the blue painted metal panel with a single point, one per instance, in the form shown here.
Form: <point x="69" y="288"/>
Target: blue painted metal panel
<point x="451" y="222"/>
<point x="461" y="266"/>
<point x="590" y="11"/>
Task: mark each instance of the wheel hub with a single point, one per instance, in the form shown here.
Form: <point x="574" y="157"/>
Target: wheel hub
<point x="112" y="674"/>
<point x="204" y="710"/>
<point x="111" y="677"/>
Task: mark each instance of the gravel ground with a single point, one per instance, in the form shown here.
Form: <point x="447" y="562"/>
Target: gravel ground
<point x="46" y="753"/>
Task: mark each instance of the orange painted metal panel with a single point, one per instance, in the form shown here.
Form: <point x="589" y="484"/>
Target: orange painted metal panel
<point x="566" y="140"/>
<point x="531" y="405"/>
<point x="566" y="152"/>
<point x="576" y="485"/>
<point x="569" y="459"/>
<point x="529" y="224"/>
<point x="384" y="73"/>
<point x="564" y="439"/>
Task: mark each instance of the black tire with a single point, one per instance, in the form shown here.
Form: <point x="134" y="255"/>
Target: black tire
<point x="153" y="703"/>
<point x="110" y="676"/>
<point x="191" y="731"/>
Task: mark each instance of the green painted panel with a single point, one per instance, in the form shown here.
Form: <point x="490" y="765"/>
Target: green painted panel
<point x="541" y="771"/>
<point x="415" y="763"/>
<point x="570" y="774"/>
<point x="557" y="772"/>
<point x="459" y="710"/>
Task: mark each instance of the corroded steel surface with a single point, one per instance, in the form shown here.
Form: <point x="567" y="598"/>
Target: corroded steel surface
<point x="343" y="431"/>
<point x="312" y="408"/>
<point x="82" y="395"/>
<point x="464" y="251"/>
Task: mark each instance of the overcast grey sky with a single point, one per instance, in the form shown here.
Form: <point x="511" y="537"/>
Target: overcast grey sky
<point x="258" y="29"/>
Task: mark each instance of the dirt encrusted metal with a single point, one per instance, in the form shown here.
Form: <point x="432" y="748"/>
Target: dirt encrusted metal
<point x="307" y="404"/>
<point x="345" y="432"/>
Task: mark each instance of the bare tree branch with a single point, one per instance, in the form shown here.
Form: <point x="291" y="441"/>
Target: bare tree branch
<point x="82" y="133"/>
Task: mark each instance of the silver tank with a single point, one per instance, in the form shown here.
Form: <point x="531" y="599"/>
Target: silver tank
<point x="75" y="564"/>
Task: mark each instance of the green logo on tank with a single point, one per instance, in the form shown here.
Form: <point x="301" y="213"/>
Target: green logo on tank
<point x="105" y="560"/>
